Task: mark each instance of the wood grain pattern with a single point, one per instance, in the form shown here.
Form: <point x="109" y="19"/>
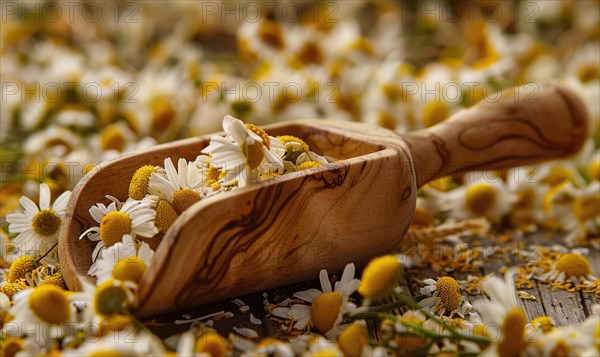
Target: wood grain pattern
<point x="285" y="230"/>
<point x="525" y="125"/>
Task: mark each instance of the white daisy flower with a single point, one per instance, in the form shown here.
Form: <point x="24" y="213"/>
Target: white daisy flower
<point x="444" y="296"/>
<point x="327" y="305"/>
<point x="180" y="187"/>
<point x="38" y="228"/>
<point x="124" y="260"/>
<point x="44" y="310"/>
<point x="575" y="211"/>
<point x="117" y="219"/>
<point x="246" y="150"/>
<point x="141" y="344"/>
<point x="106" y="299"/>
<point x="481" y="197"/>
<point x="503" y="310"/>
<point x="570" y="267"/>
<point x="208" y="343"/>
<point x="529" y="197"/>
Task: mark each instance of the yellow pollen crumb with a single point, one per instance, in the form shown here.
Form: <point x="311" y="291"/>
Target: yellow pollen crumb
<point x="263" y="135"/>
<point x="308" y="165"/>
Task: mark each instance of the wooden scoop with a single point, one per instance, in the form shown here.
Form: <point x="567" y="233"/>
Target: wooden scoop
<point x="285" y="230"/>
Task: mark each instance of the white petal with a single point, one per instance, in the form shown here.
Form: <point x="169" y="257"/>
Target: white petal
<point x="44" y="196"/>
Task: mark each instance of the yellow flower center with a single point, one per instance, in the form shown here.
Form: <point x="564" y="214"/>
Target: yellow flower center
<point x="184" y="198"/>
<point x="561" y="349"/>
<point x="435" y="112"/>
<point x="449" y="293"/>
<point x="422" y="217"/>
<point x="379" y="276"/>
<point x="113" y="226"/>
<point x="138" y="187"/>
<point x="593" y="170"/>
<point x="325" y="310"/>
<point x="293" y="143"/>
<point x="480" y="198"/>
<point x="587" y="207"/>
<point x="164" y="115"/>
<point x="55" y="279"/>
<point x="544" y="323"/>
<point x="588" y="72"/>
<point x="557" y="176"/>
<point x="308" y="165"/>
<point x="20" y="267"/>
<point x="117" y="322"/>
<point x="310" y="53"/>
<point x="129" y="269"/>
<point x="513" y="332"/>
<point x="213" y="344"/>
<point x="45" y="223"/>
<point x="386" y="120"/>
<point x="50" y="304"/>
<point x="110" y="298"/>
<point x="254" y="154"/>
<point x="241" y="108"/>
<point x="552" y="197"/>
<point x="165" y="215"/>
<point x="394" y="93"/>
<point x="325" y="353"/>
<point x="270" y="32"/>
<point x="573" y="265"/>
<point x="11" y="347"/>
<point x="10" y="289"/>
<point x="106" y="353"/>
<point x="352" y="340"/>
<point x="112" y="139"/>
<point x="408" y="343"/>
<point x="263" y="134"/>
<point x="362" y="44"/>
<point x="212" y="173"/>
<point x="525" y="199"/>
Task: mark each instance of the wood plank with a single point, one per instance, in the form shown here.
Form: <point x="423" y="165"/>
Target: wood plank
<point x="563" y="306"/>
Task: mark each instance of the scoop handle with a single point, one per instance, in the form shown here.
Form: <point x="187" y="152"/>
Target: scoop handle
<point x="522" y="125"/>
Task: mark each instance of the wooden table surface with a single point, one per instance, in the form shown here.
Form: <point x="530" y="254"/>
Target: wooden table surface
<point x="563" y="306"/>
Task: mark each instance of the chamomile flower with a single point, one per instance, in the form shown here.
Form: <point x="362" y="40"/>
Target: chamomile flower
<point x="444" y="296"/>
<point x="180" y="187"/>
<point x="379" y="277"/>
<point x="38" y="227"/>
<point x="117" y="219"/>
<point x="327" y="305"/>
<point x="112" y="297"/>
<point x="145" y="344"/>
<point x="503" y="310"/>
<point x="574" y="211"/>
<point x="527" y="208"/>
<point x="209" y="343"/>
<point x="125" y="260"/>
<point x="271" y="347"/>
<point x="481" y="197"/>
<point x="246" y="150"/>
<point x="570" y="267"/>
<point x="45" y="309"/>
